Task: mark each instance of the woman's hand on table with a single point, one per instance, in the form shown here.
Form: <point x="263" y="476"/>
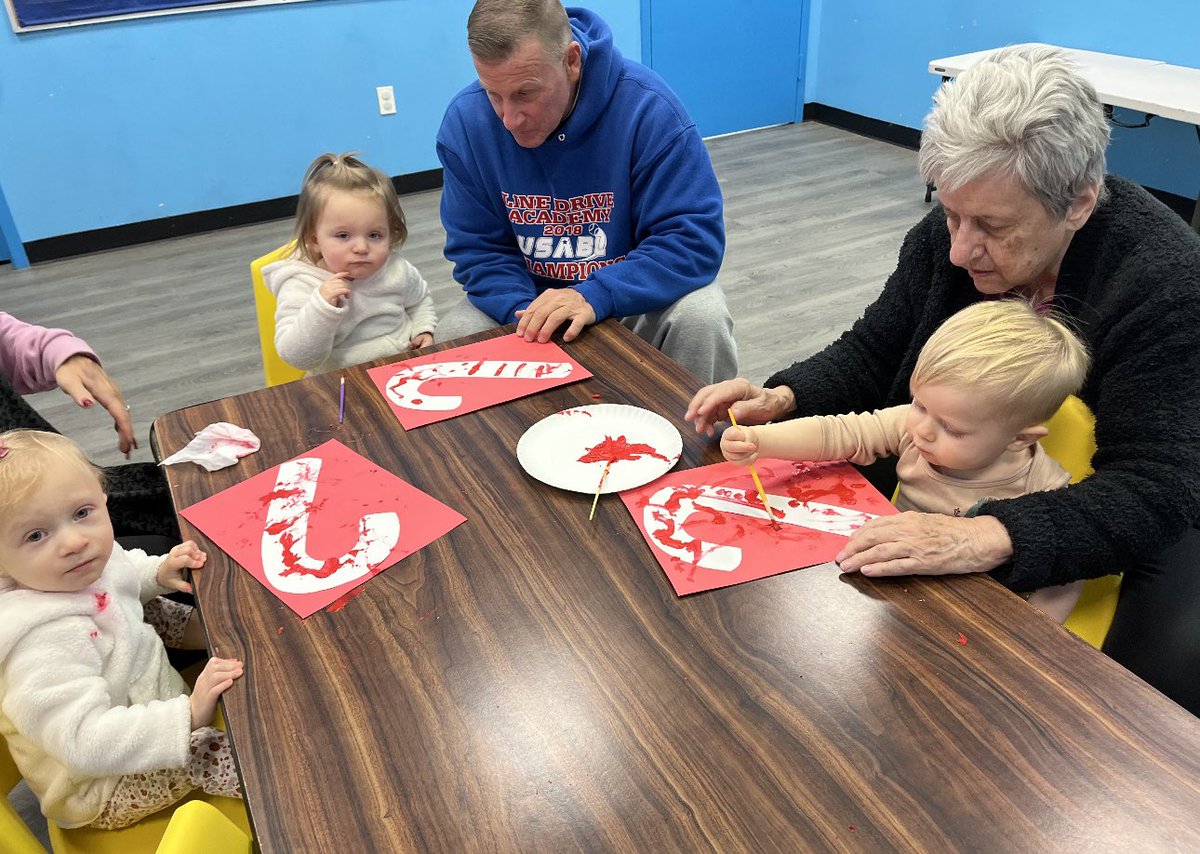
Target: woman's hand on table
<point x="750" y="403"/>
<point x="926" y="544"/>
<point x="85" y="382"/>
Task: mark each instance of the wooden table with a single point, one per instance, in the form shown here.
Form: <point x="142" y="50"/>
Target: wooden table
<point x="531" y="682"/>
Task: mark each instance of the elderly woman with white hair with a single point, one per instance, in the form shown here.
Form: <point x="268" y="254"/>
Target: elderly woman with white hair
<point x="1016" y="148"/>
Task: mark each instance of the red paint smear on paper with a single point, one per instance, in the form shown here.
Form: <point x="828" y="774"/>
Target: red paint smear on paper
<point x="279" y="493"/>
<point x="344" y="600"/>
<point x="474" y="368"/>
<point x="328" y="567"/>
<point x="101" y="602"/>
<point x="962" y="638"/>
<point x="840" y="490"/>
<point x="417" y="401"/>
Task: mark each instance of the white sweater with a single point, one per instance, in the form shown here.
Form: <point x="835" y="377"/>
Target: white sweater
<point x="86" y="692"/>
<point x="381" y="317"/>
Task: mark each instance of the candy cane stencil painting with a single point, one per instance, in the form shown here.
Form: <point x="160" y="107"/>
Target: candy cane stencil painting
<point x="315" y="527"/>
<point x="286" y="562"/>
<point x="463" y="379"/>
<point x="708" y="528"/>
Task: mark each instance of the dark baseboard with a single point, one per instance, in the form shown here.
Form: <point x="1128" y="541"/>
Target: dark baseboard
<point x="863" y="126"/>
<point x="911" y="138"/>
<point x="83" y="242"/>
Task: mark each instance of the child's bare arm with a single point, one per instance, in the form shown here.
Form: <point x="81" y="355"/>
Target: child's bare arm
<point x="798" y="439"/>
<point x="216" y="678"/>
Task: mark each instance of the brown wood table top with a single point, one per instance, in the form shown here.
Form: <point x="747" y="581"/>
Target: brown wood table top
<point x="531" y="682"/>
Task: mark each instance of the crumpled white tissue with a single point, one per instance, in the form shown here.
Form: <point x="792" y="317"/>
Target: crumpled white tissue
<point x="216" y="446"/>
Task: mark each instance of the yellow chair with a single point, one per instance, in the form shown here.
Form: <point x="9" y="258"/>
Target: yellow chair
<point x="200" y="828"/>
<point x="275" y="370"/>
<point x="16" y="838"/>
<point x="1072" y="442"/>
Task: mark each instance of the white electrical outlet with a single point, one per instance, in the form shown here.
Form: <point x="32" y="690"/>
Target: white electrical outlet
<point x="387" y="100"/>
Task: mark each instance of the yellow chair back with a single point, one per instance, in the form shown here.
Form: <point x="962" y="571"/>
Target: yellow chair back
<point x="16" y="835"/>
<point x="1072" y="442"/>
<point x="275" y="370"/>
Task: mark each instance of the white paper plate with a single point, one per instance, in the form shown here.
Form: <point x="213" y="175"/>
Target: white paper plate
<point x="551" y="449"/>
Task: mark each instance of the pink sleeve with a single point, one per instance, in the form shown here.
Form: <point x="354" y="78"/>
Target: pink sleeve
<point x="29" y="355"/>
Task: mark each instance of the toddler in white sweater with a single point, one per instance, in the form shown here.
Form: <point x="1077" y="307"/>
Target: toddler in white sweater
<point x="100" y="724"/>
<point x="346" y="295"/>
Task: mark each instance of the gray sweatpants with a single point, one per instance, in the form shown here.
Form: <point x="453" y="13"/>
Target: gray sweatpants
<point x="696" y="331"/>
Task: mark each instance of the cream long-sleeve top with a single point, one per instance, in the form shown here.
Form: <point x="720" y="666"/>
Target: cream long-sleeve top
<point x="382" y="316"/>
<point x="87" y="694"/>
<point x="862" y="438"/>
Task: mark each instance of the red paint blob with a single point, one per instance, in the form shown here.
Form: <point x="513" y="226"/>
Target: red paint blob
<point x="615" y="450"/>
<point x="101" y="602"/>
<point x="962" y="638"/>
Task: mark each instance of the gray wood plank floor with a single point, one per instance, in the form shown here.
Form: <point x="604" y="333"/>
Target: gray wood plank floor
<point x="814" y="216"/>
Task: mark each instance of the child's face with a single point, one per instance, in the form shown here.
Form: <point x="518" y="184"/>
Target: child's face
<point x="957" y="432"/>
<point x="60" y="538"/>
<point x="352" y="234"/>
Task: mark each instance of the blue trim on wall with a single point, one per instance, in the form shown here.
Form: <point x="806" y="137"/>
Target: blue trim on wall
<point x="10" y="239"/>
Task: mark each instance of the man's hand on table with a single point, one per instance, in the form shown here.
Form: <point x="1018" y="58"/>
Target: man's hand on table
<point x="750" y="403"/>
<point x="552" y="308"/>
<point x="85" y="382"/>
<point x="926" y="544"/>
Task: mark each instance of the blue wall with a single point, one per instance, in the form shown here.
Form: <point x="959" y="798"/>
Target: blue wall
<point x="117" y="123"/>
<point x="871" y="57"/>
<point x="109" y="124"/>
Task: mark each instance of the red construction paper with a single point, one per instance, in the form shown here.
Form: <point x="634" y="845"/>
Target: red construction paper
<point x="454" y="382"/>
<point x="314" y="528"/>
<point x="708" y="528"/>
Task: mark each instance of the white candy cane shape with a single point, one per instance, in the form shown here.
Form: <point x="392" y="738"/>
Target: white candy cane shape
<point x="286" y="561"/>
<point x="404" y="388"/>
<point x="657" y="518"/>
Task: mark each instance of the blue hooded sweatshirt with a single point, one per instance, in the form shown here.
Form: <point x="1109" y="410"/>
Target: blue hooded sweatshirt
<point x="620" y="201"/>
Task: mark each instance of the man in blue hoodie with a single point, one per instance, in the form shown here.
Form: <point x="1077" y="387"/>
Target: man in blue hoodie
<point x="576" y="188"/>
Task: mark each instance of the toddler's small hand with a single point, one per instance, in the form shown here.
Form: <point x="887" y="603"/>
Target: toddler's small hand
<point x="216" y="678"/>
<point x="184" y="556"/>
<point x="739" y="446"/>
<point x="422" y="340"/>
<point x="336" y="289"/>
